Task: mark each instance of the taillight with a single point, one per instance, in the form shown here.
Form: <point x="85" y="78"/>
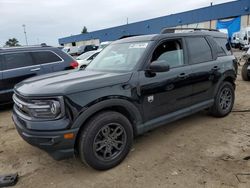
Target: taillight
<point x="74" y="64"/>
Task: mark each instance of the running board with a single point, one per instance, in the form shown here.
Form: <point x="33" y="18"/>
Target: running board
<point x="152" y="124"/>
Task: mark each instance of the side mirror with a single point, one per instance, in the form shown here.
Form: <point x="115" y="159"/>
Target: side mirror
<point x="245" y="37"/>
<point x="234" y="38"/>
<point x="159" y="66"/>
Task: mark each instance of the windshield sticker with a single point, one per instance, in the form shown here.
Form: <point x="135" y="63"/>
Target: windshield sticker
<point x="138" y="45"/>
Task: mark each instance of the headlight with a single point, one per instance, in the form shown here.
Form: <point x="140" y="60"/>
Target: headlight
<point x="40" y="108"/>
<point x="45" y="109"/>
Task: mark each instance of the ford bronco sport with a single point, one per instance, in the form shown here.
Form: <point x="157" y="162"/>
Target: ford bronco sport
<point x="134" y="85"/>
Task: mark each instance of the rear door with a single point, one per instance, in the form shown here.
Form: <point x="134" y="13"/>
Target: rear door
<point x="205" y="68"/>
<point x="1" y="79"/>
<point x="17" y="67"/>
<point x="48" y="60"/>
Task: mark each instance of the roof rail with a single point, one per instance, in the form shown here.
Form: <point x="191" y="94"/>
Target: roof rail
<point x="173" y="30"/>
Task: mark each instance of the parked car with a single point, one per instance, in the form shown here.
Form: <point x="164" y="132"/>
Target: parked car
<point x="84" y="59"/>
<point x="235" y="40"/>
<point x="104" y="44"/>
<point x="78" y="50"/>
<point x="245" y="71"/>
<point x="134" y="85"/>
<point x="244" y="38"/>
<point x="19" y="63"/>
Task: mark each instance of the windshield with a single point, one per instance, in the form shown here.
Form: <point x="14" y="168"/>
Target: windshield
<point x="248" y="33"/>
<point x="118" y="57"/>
<point x="85" y="55"/>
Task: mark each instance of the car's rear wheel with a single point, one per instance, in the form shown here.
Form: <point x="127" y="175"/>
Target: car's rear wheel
<point x="224" y="100"/>
<point x="244" y="72"/>
<point x="106" y="140"/>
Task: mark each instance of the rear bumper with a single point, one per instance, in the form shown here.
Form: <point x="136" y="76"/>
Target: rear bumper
<point x="52" y="142"/>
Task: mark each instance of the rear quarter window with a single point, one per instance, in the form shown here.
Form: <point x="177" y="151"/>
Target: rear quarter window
<point x="43" y="57"/>
<point x="199" y="50"/>
<point x="223" y="47"/>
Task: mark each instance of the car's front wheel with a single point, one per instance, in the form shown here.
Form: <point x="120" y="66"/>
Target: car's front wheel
<point x="106" y="140"/>
<point x="224" y="100"/>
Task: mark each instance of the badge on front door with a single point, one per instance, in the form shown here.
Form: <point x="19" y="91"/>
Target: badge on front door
<point x="150" y="98"/>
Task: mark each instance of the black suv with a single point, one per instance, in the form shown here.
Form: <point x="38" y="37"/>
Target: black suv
<point x="134" y="85"/>
<point x="19" y="63"/>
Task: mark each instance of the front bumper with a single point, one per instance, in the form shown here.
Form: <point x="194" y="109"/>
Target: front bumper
<point x="52" y="142"/>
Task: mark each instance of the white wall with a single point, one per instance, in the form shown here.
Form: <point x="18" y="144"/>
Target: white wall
<point x="95" y="42"/>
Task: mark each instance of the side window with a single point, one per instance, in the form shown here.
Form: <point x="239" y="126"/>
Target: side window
<point x="1" y="62"/>
<point x="93" y="56"/>
<point x="199" y="50"/>
<point x="42" y="57"/>
<point x="89" y="48"/>
<point x="171" y="52"/>
<point x="224" y="47"/>
<point x="17" y="60"/>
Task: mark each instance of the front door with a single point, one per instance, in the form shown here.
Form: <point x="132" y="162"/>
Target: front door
<point x="170" y="91"/>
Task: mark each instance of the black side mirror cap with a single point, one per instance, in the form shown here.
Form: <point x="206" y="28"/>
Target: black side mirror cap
<point x="159" y="66"/>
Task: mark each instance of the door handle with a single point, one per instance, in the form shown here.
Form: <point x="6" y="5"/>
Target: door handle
<point x="215" y="68"/>
<point x="34" y="70"/>
<point x="182" y="76"/>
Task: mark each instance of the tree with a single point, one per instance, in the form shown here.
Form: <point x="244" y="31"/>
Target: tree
<point x="12" y="42"/>
<point x="84" y="30"/>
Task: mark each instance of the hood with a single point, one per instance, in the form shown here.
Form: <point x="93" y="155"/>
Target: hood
<point x="67" y="82"/>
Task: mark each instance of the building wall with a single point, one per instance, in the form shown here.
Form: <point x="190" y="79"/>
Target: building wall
<point x="201" y="16"/>
<point x="245" y="21"/>
<point x="95" y="42"/>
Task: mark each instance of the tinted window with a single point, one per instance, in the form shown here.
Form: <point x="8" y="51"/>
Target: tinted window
<point x="199" y="50"/>
<point x="171" y="52"/>
<point x="93" y="56"/>
<point x="224" y="47"/>
<point x="45" y="57"/>
<point x="17" y="60"/>
<point x="1" y="62"/>
<point x="89" y="48"/>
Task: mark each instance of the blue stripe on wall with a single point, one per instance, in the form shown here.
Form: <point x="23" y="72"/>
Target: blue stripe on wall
<point x="231" y="9"/>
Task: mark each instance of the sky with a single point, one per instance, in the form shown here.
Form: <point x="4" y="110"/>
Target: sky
<point x="48" y="20"/>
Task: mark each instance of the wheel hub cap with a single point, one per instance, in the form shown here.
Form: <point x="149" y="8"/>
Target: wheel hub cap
<point x="109" y="141"/>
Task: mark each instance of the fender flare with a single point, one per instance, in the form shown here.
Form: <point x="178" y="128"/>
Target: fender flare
<point x="109" y="103"/>
<point x="228" y="74"/>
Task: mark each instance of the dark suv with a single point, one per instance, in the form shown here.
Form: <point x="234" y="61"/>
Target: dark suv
<point x="19" y="63"/>
<point x="134" y="85"/>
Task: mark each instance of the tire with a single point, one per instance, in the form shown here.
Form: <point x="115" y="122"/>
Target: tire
<point x="106" y="140"/>
<point x="244" y="73"/>
<point x="224" y="100"/>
